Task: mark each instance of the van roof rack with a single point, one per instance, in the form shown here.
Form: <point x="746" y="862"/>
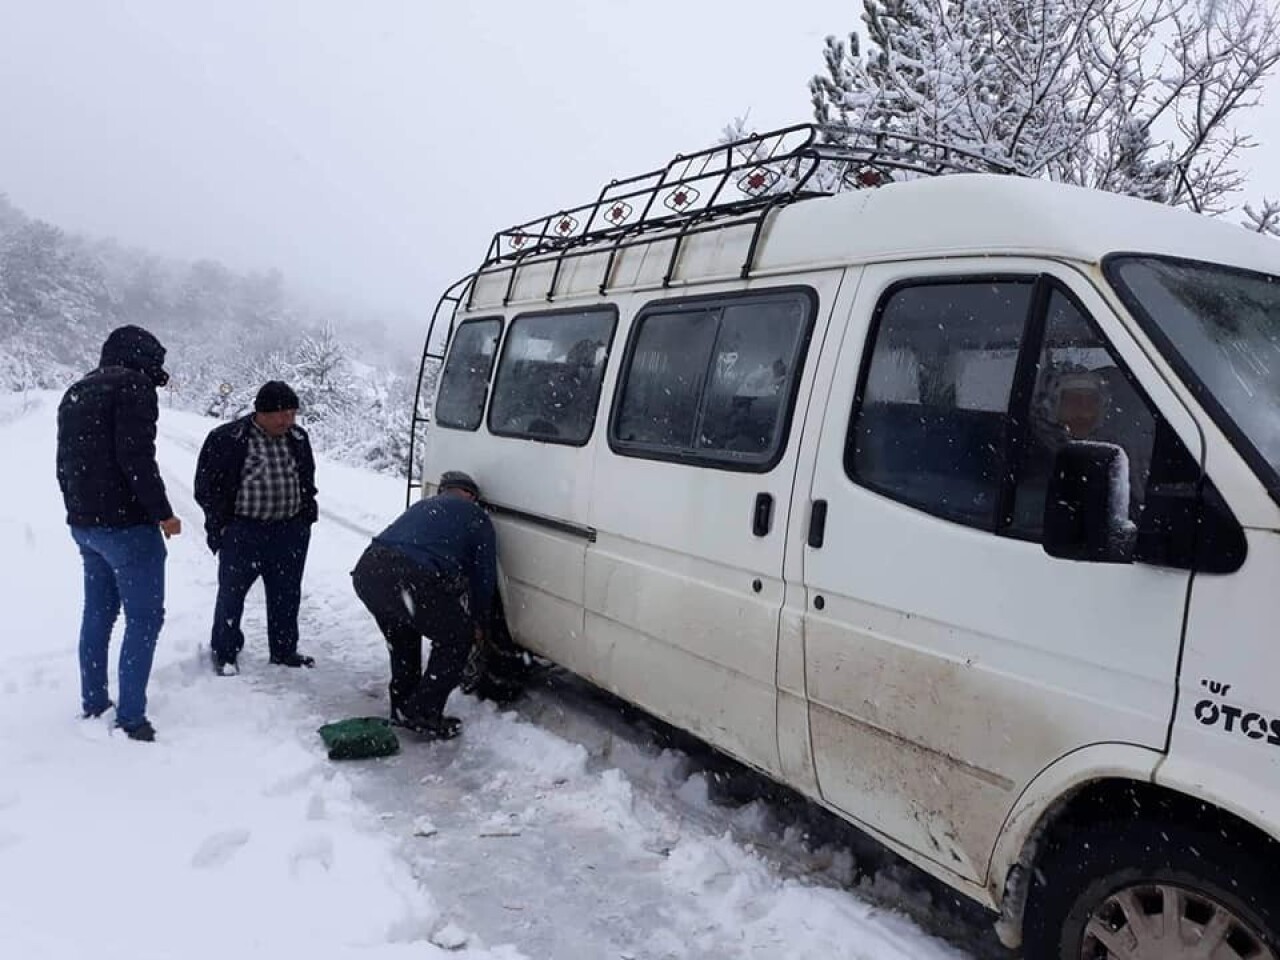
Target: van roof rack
<point x="757" y="172"/>
<point x="734" y="184"/>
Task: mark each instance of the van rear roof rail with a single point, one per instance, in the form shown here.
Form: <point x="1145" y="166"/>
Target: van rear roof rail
<point x="755" y="173"/>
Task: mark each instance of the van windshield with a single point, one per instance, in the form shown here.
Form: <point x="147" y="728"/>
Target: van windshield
<point x="1220" y="328"/>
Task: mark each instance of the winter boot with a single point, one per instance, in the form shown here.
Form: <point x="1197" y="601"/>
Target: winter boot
<point x="293" y="660"/>
<point x="433" y="728"/>
<point x="142" y="731"/>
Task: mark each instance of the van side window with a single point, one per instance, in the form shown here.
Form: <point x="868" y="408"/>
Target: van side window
<point x="713" y="382"/>
<point x="548" y="382"/>
<point x="972" y="388"/>
<point x="929" y="428"/>
<point x="1081" y="393"/>
<point x="664" y="381"/>
<point x="465" y="380"/>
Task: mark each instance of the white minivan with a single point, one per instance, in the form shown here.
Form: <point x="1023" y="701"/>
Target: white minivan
<point x="952" y="502"/>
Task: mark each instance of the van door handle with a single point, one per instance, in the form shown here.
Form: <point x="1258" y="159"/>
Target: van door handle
<point x="762" y="515"/>
<point x="818" y="524"/>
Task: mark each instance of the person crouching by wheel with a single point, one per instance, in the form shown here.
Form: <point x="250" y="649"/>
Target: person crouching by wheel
<point x="431" y="574"/>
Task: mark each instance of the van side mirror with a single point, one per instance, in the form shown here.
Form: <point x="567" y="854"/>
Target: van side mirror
<point x="1086" y="510"/>
<point x="1188" y="526"/>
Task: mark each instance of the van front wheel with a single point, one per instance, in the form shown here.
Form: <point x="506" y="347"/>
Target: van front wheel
<point x="1131" y="891"/>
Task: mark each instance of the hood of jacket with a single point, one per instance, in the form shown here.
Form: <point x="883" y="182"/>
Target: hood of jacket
<point x="137" y="349"/>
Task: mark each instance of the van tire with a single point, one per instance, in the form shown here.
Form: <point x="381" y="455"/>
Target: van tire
<point x="497" y="669"/>
<point x="1084" y="867"/>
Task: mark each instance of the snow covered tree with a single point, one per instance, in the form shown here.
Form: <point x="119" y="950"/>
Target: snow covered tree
<point x="11" y="218"/>
<point x="1134" y="96"/>
<point x="322" y="377"/>
<point x="1265" y="219"/>
<point x="52" y="294"/>
<point x="60" y="294"/>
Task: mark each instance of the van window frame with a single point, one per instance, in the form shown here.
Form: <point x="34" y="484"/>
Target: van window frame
<point x="1043" y="286"/>
<point x="715" y="460"/>
<point x="488" y="382"/>
<point x="501" y="355"/>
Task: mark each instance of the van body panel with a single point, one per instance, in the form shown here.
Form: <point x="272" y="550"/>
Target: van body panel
<point x="543" y="566"/>
<point x="677" y="574"/>
<point x="1226" y="733"/>
<point x="795" y="739"/>
<point x="947" y="666"/>
<point x="544" y="574"/>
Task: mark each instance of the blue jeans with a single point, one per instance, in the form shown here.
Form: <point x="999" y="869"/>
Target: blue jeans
<point x="122" y="566"/>
<point x="275" y="550"/>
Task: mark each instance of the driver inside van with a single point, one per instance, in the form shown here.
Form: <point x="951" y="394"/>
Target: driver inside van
<point x="1070" y="404"/>
<point x="1080" y="403"/>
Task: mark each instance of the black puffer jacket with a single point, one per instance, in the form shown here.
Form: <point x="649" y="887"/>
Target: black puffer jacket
<point x="107" y="436"/>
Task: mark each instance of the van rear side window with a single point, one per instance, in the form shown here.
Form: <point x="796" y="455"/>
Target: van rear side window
<point x="548" y="382"/>
<point x="713" y="382"/>
<point x="464" y="383"/>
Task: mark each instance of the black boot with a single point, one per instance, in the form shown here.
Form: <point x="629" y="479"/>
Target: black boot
<point x="293" y="660"/>
<point x="223" y="668"/>
<point x="142" y="731"/>
<point x="440" y="727"/>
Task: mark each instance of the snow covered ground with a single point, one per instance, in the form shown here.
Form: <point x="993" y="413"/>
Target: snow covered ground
<point x="554" y="830"/>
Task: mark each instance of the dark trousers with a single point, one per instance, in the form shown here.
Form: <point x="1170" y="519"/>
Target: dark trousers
<point x="410" y="602"/>
<point x="276" y="551"/>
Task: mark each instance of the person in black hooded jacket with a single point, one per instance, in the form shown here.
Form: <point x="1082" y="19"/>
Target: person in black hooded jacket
<point x="117" y="511"/>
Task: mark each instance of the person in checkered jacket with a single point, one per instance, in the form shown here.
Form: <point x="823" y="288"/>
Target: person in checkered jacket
<point x="256" y="482"/>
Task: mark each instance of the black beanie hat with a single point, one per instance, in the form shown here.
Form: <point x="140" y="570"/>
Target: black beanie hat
<point x="457" y="480"/>
<point x="275" y="395"/>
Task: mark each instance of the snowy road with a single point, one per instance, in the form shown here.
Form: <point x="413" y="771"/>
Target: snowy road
<point x="557" y="830"/>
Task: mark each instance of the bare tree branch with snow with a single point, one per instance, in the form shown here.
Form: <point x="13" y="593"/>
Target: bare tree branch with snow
<point x="1140" y="97"/>
<point x="1265" y="219"/>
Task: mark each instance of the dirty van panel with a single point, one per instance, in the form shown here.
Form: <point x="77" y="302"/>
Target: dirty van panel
<point x="532" y="460"/>
<point x="949" y="659"/>
<point x="544" y="577"/>
<point x="1227" y="725"/>
<point x="684" y="580"/>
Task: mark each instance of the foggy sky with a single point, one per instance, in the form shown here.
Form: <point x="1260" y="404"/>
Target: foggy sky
<point x="370" y="149"/>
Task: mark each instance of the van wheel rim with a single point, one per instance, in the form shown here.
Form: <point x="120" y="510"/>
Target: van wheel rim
<point x="1169" y="923"/>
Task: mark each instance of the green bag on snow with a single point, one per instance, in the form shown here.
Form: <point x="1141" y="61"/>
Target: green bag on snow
<point x="360" y="738"/>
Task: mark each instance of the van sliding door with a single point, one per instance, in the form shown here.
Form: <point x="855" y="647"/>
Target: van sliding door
<point x="691" y="503"/>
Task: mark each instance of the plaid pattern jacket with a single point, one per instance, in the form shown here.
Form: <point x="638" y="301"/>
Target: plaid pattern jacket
<point x="221" y="466"/>
<point x="269" y="488"/>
